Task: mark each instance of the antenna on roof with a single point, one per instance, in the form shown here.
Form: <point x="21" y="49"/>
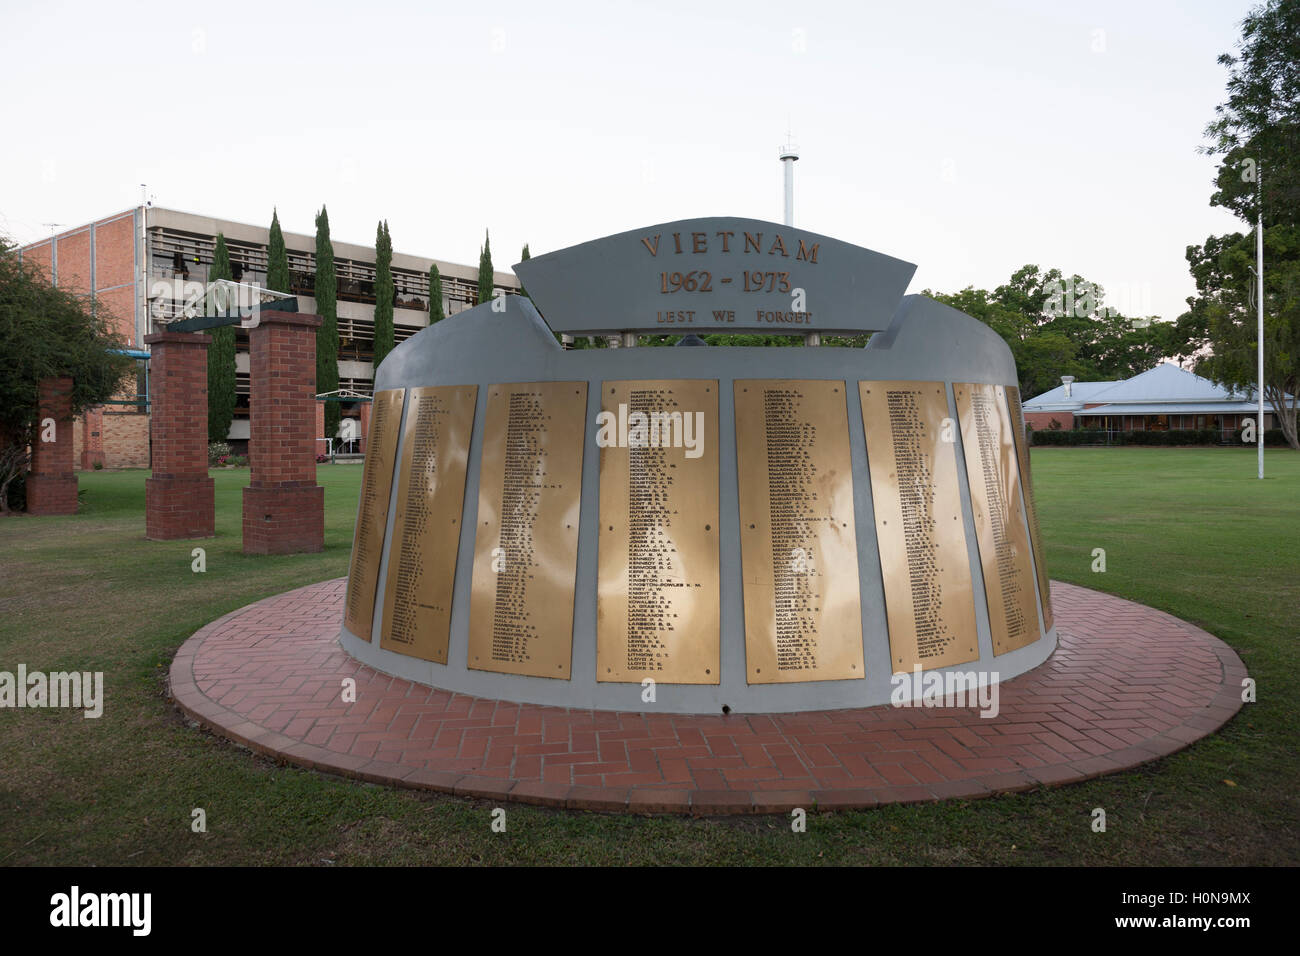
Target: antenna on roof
<point x="789" y="153"/>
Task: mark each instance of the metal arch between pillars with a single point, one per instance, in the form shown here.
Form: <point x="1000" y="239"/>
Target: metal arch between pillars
<point x="343" y="395"/>
<point x="245" y="317"/>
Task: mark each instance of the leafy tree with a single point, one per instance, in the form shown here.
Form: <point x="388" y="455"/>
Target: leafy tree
<point x="327" y="335"/>
<point x="1041" y="356"/>
<point x="484" y="271"/>
<point x="1225" y="314"/>
<point x="1257" y="135"/>
<point x="1028" y="292"/>
<point x="1056" y="326"/>
<point x="1260" y="120"/>
<point x="48" y="332"/>
<point x="221" y="354"/>
<point x="384" y="293"/>
<point x="435" y="295"/>
<point x="277" y="258"/>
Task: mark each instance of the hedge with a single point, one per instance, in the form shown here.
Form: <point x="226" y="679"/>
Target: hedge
<point x="1205" y="436"/>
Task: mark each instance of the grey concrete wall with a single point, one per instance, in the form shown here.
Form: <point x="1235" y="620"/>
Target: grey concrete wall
<point x="925" y="341"/>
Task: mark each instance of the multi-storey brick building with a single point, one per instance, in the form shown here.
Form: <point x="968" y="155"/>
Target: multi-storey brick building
<point x="136" y="263"/>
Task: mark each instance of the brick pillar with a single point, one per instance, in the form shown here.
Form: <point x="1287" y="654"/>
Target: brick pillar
<point x="92" y="438"/>
<point x="51" y="485"/>
<point x="320" y="425"/>
<point x="284" y="508"/>
<point x="179" y="497"/>
<point x="365" y="425"/>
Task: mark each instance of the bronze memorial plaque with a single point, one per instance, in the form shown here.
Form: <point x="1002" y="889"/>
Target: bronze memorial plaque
<point x="372" y="515"/>
<point x="657" y="591"/>
<point x="426" y="526"/>
<point x="1027" y="479"/>
<point x="994" y="476"/>
<point x="912" y="454"/>
<point x="798" y="541"/>
<point x="526" y="550"/>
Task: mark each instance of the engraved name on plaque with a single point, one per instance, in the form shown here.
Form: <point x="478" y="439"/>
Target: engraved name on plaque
<point x="1031" y="509"/>
<point x="799" y="554"/>
<point x="526" y="549"/>
<point x="994" y="475"/>
<point x="372" y="512"/>
<point x="912" y="457"/>
<point x="657" y="591"/>
<point x="426" y="526"/>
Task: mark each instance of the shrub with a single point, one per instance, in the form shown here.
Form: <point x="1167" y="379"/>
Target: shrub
<point x="1076" y="436"/>
<point x="17" y="493"/>
<point x="1273" y="437"/>
<point x="218" y="452"/>
<point x="1171" y="438"/>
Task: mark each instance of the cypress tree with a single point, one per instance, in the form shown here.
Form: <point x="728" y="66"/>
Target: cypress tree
<point x="221" y="357"/>
<point x="327" y="336"/>
<point x="277" y="258"/>
<point x="220" y="268"/>
<point x="384" y="292"/>
<point x="524" y="257"/>
<point x="485" y="271"/>
<point x="435" y="295"/>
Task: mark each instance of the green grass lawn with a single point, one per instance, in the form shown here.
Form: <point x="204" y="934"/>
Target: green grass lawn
<point x="1190" y="531"/>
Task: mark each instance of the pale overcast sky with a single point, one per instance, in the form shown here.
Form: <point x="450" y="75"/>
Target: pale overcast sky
<point x="967" y="137"/>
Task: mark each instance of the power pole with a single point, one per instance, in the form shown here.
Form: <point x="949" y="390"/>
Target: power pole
<point x="1259" y="275"/>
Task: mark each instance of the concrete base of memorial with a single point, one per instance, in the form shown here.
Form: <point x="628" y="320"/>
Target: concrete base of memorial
<point x="1126" y="685"/>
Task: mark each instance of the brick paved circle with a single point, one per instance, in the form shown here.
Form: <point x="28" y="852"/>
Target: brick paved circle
<point x="1127" y="684"/>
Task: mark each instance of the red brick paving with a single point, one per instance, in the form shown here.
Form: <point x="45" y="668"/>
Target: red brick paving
<point x="1127" y="684"/>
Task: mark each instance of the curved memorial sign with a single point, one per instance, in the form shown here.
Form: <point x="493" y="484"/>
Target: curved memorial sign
<point x="699" y="530"/>
<point x="721" y="274"/>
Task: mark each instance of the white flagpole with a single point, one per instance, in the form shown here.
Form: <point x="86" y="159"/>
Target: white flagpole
<point x="1259" y="271"/>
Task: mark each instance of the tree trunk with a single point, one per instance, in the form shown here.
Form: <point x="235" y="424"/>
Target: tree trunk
<point x="1284" y="412"/>
<point x="13" y="462"/>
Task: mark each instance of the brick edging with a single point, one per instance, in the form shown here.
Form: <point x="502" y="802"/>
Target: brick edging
<point x="666" y="798"/>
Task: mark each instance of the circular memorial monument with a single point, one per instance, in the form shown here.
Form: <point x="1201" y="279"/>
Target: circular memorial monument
<point x="682" y="579"/>
<point x="700" y="530"/>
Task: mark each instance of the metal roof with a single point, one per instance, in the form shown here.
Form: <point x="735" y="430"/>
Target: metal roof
<point x="1167" y="383"/>
<point x="1163" y="390"/>
<point x="1176" y="408"/>
<point x="1079" y="392"/>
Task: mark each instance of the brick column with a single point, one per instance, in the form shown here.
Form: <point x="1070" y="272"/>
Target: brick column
<point x="92" y="438"/>
<point x="179" y="497"/>
<point x="365" y="425"/>
<point x="51" y="485"/>
<point x="284" y="508"/>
